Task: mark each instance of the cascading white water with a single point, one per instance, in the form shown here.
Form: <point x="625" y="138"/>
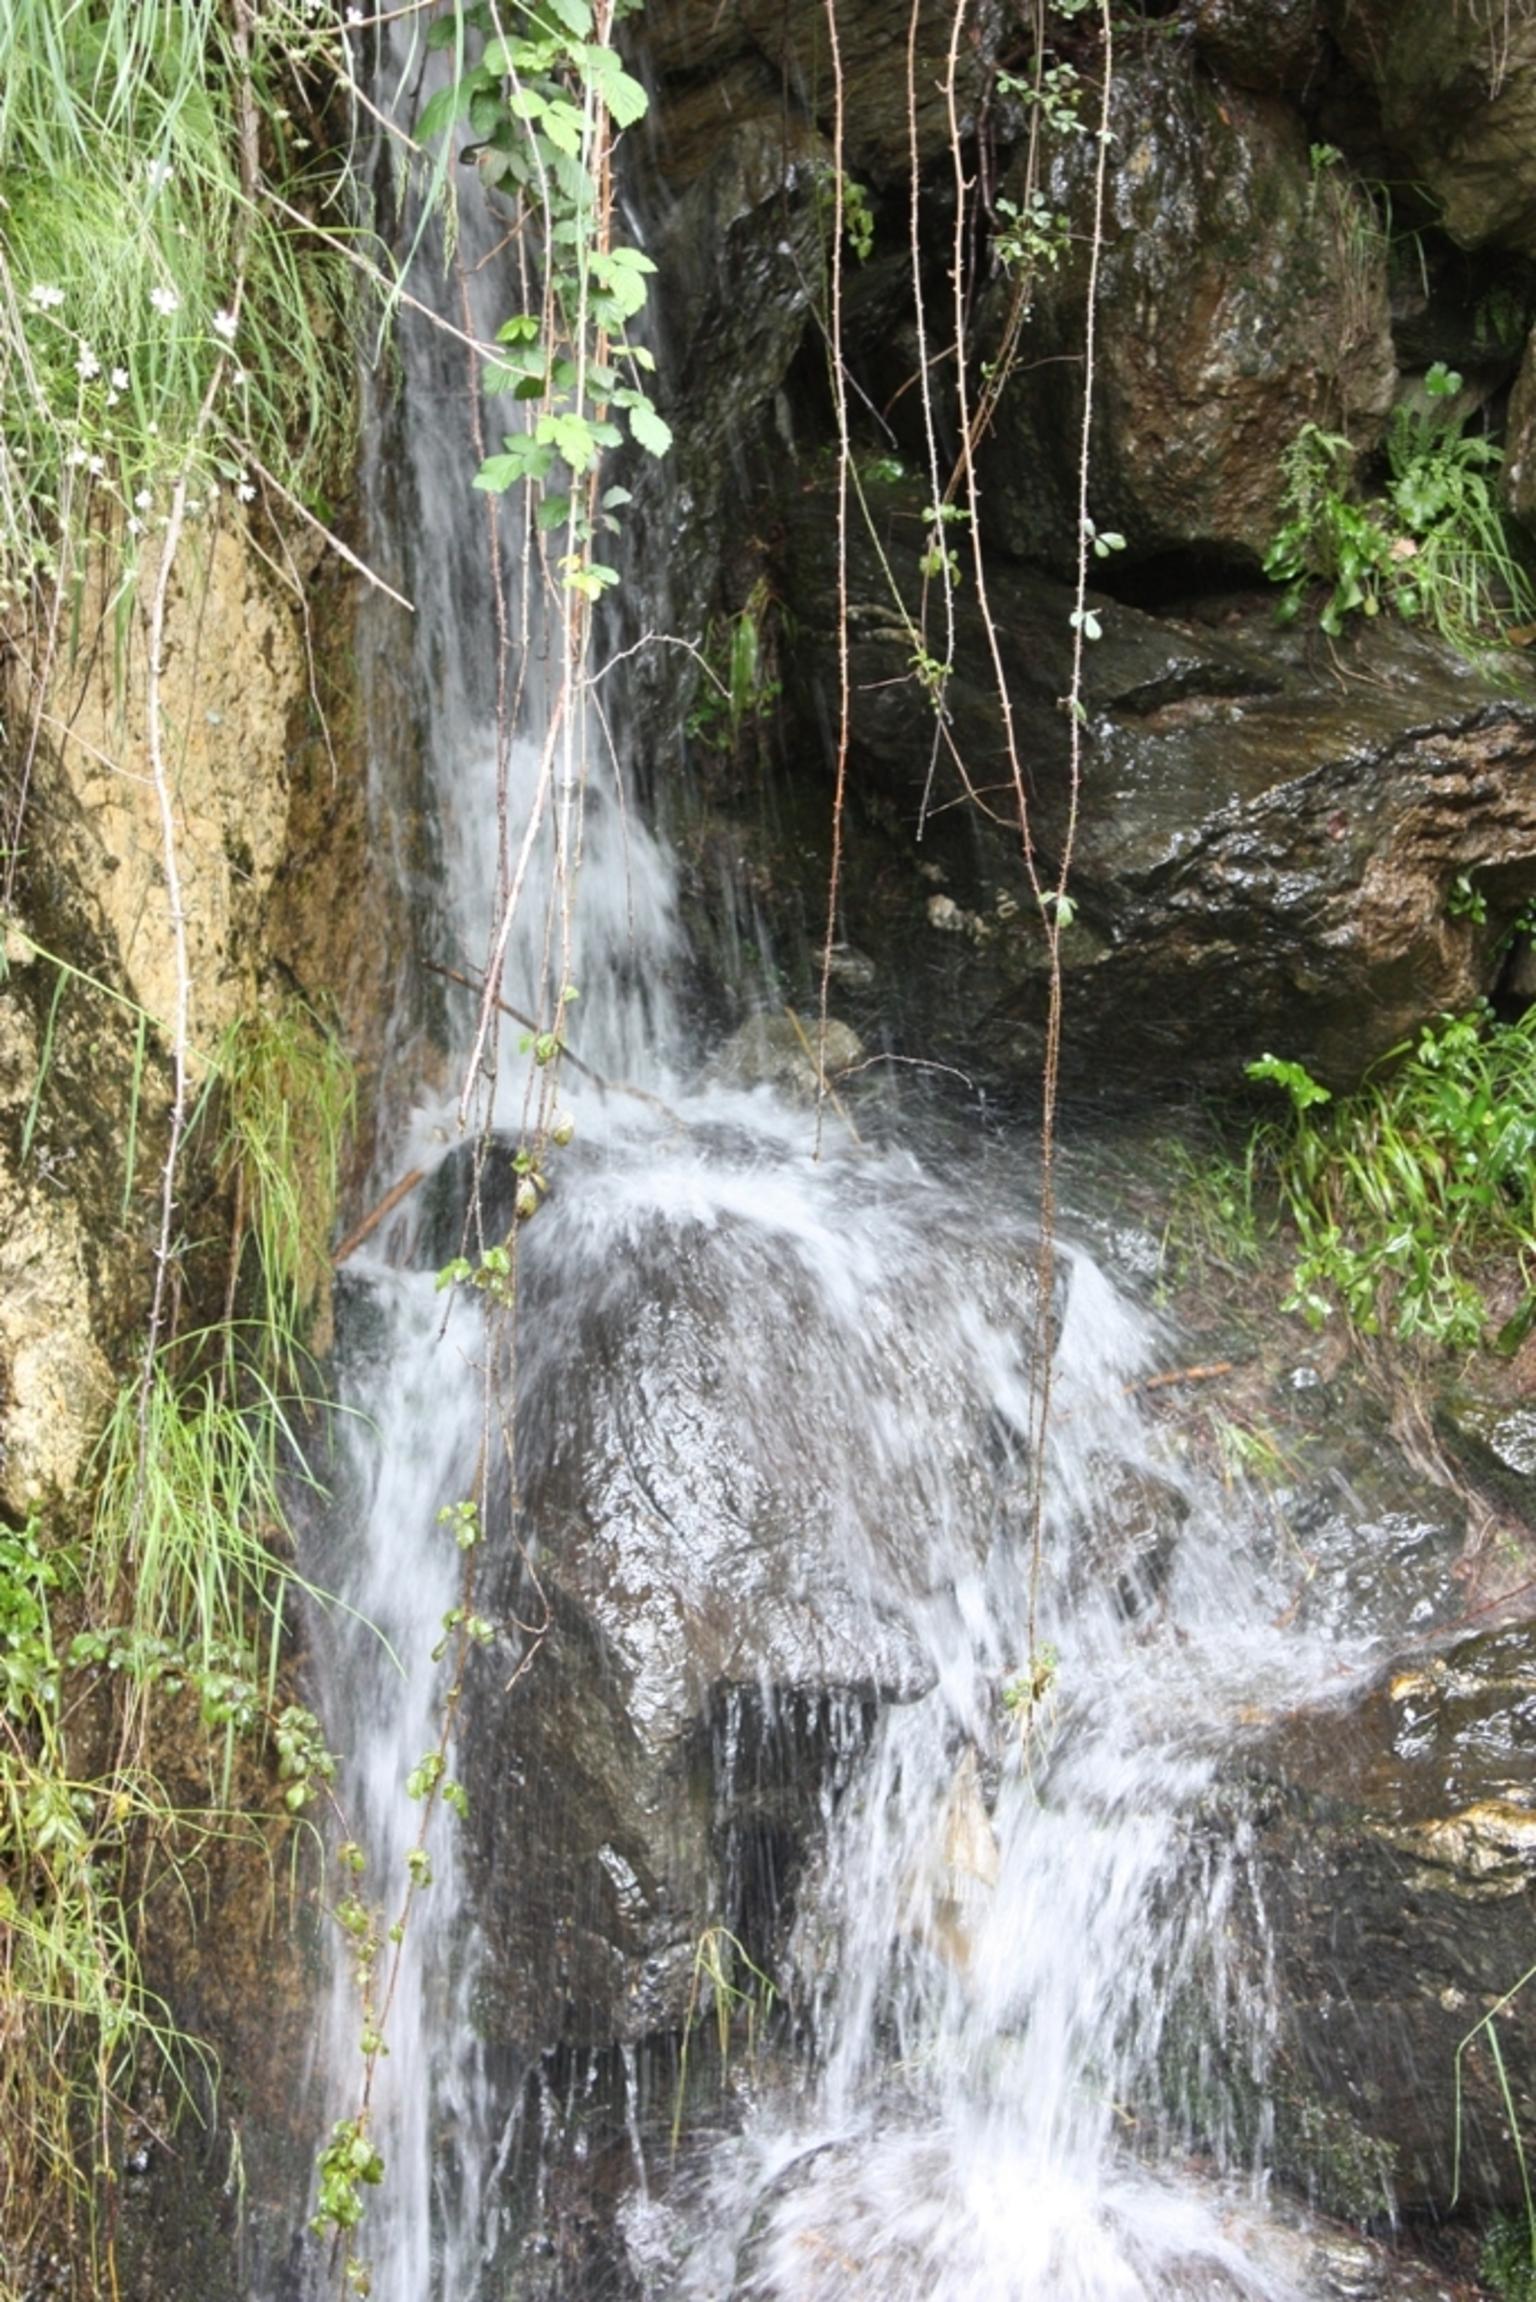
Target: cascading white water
<point x="1009" y="1961"/>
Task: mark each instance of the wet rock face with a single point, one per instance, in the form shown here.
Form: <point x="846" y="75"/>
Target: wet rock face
<point x="1456" y="87"/>
<point x="1267" y="836"/>
<point x="713" y="1519"/>
<point x="1520" y="443"/>
<point x="1397" y="1848"/>
<point x="1266" y="45"/>
<point x="784" y="49"/>
<point x="1242" y="292"/>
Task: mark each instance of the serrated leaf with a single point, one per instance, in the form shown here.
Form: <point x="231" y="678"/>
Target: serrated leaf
<point x="651" y="430"/>
<point x="498" y="473"/>
<point x="553" y="512"/>
<point x="624" y="97"/>
<point x="575" y="15"/>
<point x="446" y="107"/>
<point x="564" y="126"/>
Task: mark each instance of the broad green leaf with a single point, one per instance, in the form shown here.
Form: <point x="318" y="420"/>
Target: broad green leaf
<point x="564" y="126"/>
<point x="650" y="429"/>
<point x="448" y="105"/>
<point x="624" y="97"/>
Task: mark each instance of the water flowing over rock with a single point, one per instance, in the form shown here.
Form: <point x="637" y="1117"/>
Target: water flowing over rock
<point x="1242" y="292"/>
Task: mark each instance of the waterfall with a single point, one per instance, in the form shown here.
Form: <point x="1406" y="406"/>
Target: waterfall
<point x="774" y="1419"/>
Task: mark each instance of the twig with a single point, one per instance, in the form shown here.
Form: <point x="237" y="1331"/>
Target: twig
<point x="320" y="528"/>
<point x="604" y="1086"/>
<point x="817" y="1061"/>
<point x="376" y="1215"/>
<point x="1172" y="1375"/>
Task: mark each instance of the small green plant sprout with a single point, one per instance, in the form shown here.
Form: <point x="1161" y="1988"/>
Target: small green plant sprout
<point x="1464" y="901"/>
<point x="349" y="2160"/>
<point x="1104" y="541"/>
<point x="1296" y="1080"/>
<point x="1058" y="906"/>
<point x="1029" y="233"/>
<point x="739" y="688"/>
<point x="492" y="1275"/>
<point x="1023" y="1694"/>
<point x="462" y="1519"/>
<point x="939" y="559"/>
<point x="728" y="1984"/>
<point x="1055" y="92"/>
<point x="303" y="1760"/>
<point x="858" y="219"/>
<point x="1087" y="620"/>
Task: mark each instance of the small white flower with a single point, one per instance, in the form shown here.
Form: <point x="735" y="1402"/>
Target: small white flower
<point x="157" y="174"/>
<point x="246" y="492"/>
<point x="76" y="456"/>
<point x="354" y="15"/>
<point x="119" y="379"/>
<point x="95" y="465"/>
<point x="143" y="500"/>
<point x="165" y="301"/>
<point x="86" y="364"/>
<point x="44" y="297"/>
<point x="135" y="527"/>
<point x="113" y="398"/>
<point x="225" y="324"/>
<point x="240" y="377"/>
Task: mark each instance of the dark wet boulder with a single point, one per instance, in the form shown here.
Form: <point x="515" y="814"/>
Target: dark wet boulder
<point x="1242" y="292"/>
<point x="789" y="45"/>
<point x="727" y="1549"/>
<point x="1520" y="443"/>
<point x="1268" y="829"/>
<point x="1267" y="45"/>
<point x="1456" y="93"/>
<point x="1396" y="1847"/>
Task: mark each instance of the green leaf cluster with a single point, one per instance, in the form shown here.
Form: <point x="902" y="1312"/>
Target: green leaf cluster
<point x="543" y="101"/>
<point x="1432" y="543"/>
<point x="1408" y="1195"/>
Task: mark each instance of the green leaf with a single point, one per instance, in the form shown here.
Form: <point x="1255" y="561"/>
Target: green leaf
<point x="624" y="97"/>
<point x="449" y="105"/>
<point x="575" y="15"/>
<point x="553" y="512"/>
<point x="652" y="431"/>
<point x="1295" y="1078"/>
<point x="564" y="126"/>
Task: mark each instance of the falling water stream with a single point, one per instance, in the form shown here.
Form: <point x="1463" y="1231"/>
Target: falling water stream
<point x="1020" y="2056"/>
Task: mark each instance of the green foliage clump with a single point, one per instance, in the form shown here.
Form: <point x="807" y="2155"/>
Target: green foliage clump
<point x="545" y="97"/>
<point x="1403" y="1196"/>
<point x="1433" y="544"/>
<point x="150" y="1646"/>
<point x="163" y="313"/>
